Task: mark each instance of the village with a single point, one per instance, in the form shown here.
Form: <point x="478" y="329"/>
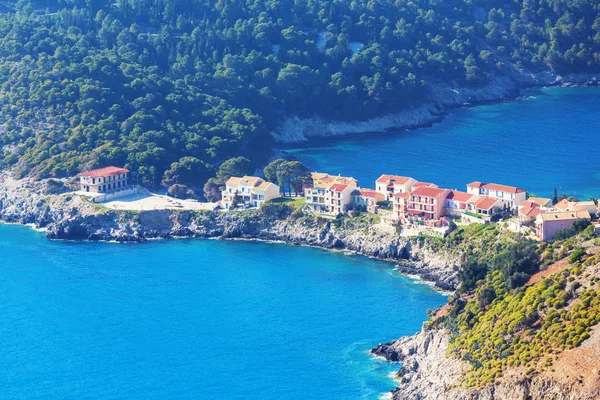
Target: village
<point x="401" y="202"/>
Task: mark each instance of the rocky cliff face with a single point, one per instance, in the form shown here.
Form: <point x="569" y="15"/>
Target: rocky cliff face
<point x="427" y="373"/>
<point x="67" y="216"/>
<point x="442" y="98"/>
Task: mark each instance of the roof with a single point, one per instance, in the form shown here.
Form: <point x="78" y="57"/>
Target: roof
<point x="368" y="193"/>
<point x="251" y="180"/>
<point x="404" y="195"/>
<point x="495" y="186"/>
<point x="528" y="204"/>
<point x="424" y="184"/>
<point x="321" y="179"/>
<point x="475" y="184"/>
<point x="428" y="191"/>
<point x="485" y="203"/>
<point x="397" y="179"/>
<point x="460" y="196"/>
<point x="338" y="187"/>
<point x="564" y="215"/>
<point x="530" y="212"/>
<point x="563" y="204"/>
<point x="106" y="171"/>
<point x="233" y="181"/>
<point x="264" y="186"/>
<point x="540" y="201"/>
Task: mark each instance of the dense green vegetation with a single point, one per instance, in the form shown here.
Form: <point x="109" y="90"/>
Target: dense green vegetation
<point x="149" y="83"/>
<point x="497" y="323"/>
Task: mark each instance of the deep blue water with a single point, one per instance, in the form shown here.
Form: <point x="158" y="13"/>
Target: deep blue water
<point x="197" y="319"/>
<point x="548" y="138"/>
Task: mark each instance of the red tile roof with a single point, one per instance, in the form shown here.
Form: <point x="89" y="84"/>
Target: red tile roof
<point x="106" y="171"/>
<point x="428" y="191"/>
<point x="397" y="179"/>
<point x="530" y="212"/>
<point x="528" y="204"/>
<point x="484" y="203"/>
<point x="495" y="186"/>
<point x="403" y="195"/>
<point x="368" y="193"/>
<point x="475" y="184"/>
<point x="462" y="197"/>
<point x="338" y="187"/>
<point x="424" y="184"/>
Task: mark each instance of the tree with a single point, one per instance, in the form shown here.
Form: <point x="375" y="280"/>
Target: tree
<point x="270" y="170"/>
<point x="555" y="197"/>
<point x="238" y="166"/>
<point x="187" y="171"/>
<point x="212" y="190"/>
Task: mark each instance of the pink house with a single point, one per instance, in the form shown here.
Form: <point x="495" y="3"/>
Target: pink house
<point x="548" y="224"/>
<point x="427" y="203"/>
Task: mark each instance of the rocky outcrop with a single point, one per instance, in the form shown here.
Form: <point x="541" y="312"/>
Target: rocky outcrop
<point x="68" y="216"/>
<point x="442" y="98"/>
<point x="427" y="373"/>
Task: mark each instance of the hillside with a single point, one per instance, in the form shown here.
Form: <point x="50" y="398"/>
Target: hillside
<point x="147" y="83"/>
<point x="536" y="339"/>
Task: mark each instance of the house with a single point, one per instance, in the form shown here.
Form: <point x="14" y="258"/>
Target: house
<point x="529" y="214"/>
<point x="566" y="205"/>
<point x="457" y="202"/>
<point x="248" y="190"/>
<point x="338" y="198"/>
<point x="104" y="180"/>
<point x="509" y="195"/>
<point x="106" y="184"/>
<point x="387" y="185"/>
<point x="549" y="223"/>
<point x="320" y="199"/>
<point x="485" y="206"/>
<point x="427" y="203"/>
<point x="367" y="198"/>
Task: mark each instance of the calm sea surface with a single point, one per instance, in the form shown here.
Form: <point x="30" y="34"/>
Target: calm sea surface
<point x="197" y="319"/>
<point x="548" y="138"/>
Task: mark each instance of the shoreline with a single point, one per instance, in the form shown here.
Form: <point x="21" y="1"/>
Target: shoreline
<point x="298" y="131"/>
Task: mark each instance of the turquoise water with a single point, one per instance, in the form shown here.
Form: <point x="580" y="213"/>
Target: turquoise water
<point x="548" y="138"/>
<point x="197" y="319"/>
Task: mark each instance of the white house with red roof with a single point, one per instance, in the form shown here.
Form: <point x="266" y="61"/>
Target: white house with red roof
<point x="106" y="183"/>
<point x="509" y="195"/>
<point x="387" y="185"/>
<point x="367" y="198"/>
<point x="457" y="202"/>
<point x="485" y="206"/>
<point x="103" y="180"/>
<point x="339" y="198"/>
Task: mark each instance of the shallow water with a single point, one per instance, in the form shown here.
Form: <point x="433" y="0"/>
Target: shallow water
<point x="197" y="319"/>
<point x="549" y="138"/>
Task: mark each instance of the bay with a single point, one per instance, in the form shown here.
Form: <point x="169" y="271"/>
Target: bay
<point x="197" y="319"/>
<point x="548" y="138"/>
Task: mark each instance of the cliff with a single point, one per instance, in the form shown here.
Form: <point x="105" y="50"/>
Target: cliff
<point x="556" y="354"/>
<point x="442" y="98"/>
<point x="66" y="216"/>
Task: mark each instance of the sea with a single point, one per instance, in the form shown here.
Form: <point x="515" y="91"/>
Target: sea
<point x="548" y="138"/>
<point x="197" y="319"/>
<point x="213" y="319"/>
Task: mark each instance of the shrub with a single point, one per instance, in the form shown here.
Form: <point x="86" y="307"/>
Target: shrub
<point x="576" y="256"/>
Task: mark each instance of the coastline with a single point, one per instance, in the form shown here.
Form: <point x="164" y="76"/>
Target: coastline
<point x="443" y="98"/>
<point x="69" y="217"/>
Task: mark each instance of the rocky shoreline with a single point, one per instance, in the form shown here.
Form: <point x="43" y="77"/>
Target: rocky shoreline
<point x="69" y="217"/>
<point x="442" y="98"/>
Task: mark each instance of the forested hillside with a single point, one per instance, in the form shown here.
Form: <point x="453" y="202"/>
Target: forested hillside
<point x="146" y="83"/>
